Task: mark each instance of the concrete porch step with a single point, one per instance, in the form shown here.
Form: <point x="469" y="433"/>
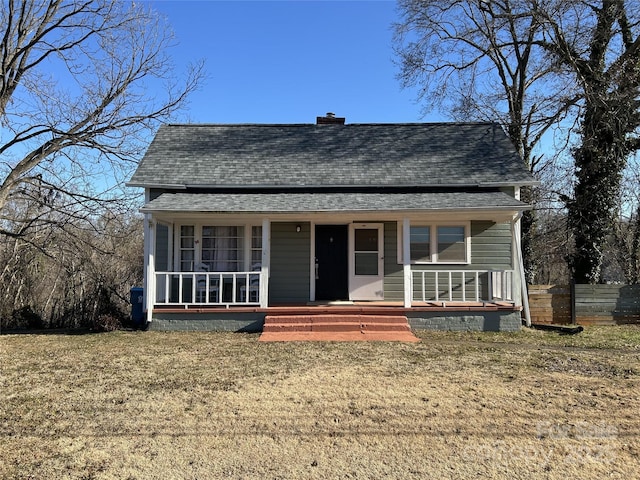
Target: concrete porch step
<point x="338" y="327"/>
<point x="335" y="327"/>
<point x="330" y="318"/>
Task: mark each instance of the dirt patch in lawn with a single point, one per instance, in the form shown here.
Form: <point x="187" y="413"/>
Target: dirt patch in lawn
<point x="218" y="405"/>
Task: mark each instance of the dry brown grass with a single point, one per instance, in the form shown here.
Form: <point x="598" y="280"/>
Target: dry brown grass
<point x="217" y="405"/>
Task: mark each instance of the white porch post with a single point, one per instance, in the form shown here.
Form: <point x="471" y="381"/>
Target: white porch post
<point x="519" y="267"/>
<point x="266" y="258"/>
<point x="150" y="283"/>
<point x="406" y="261"/>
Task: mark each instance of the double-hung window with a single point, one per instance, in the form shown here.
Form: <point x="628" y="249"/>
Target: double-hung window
<point x="437" y="243"/>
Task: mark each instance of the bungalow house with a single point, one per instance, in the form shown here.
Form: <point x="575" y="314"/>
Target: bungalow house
<point x="246" y="221"/>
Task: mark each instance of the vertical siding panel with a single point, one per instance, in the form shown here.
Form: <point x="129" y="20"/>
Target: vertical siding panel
<point x="393" y="277"/>
<point x="290" y="259"/>
<point x="162" y="248"/>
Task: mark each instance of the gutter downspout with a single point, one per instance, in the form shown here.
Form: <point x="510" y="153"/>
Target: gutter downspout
<point x="523" y="283"/>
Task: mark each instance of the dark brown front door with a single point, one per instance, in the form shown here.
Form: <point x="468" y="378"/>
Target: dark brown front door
<point x="332" y="269"/>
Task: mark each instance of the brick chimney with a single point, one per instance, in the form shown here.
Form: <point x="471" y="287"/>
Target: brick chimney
<point x="330" y="119"/>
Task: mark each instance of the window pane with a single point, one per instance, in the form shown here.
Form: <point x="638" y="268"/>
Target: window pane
<point x="420" y="253"/>
<point x="366" y="240"/>
<point x="451" y="246"/>
<point x="187" y="231"/>
<point x="366" y="263"/>
<point x="256" y="237"/>
<point x="256" y="248"/>
<point x="420" y="240"/>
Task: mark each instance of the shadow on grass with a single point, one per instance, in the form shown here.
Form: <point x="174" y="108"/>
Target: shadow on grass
<point x="58" y="331"/>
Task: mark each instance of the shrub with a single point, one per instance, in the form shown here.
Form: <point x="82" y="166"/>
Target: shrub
<point x="25" y="317"/>
<point x="106" y="323"/>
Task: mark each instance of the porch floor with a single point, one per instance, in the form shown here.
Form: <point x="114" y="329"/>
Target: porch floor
<point x="344" y="307"/>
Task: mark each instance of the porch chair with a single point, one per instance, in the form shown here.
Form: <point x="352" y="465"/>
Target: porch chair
<point x="202" y="295"/>
<point x="254" y="286"/>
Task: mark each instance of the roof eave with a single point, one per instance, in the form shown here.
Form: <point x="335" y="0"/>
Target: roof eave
<point x="168" y="186"/>
<point x="476" y="209"/>
<point x="338" y="185"/>
<point x="528" y="183"/>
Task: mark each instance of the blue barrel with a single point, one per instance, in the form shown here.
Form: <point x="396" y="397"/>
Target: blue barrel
<point x="137" y="310"/>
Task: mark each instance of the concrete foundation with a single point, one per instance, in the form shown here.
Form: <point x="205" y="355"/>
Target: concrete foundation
<point x="487" y="321"/>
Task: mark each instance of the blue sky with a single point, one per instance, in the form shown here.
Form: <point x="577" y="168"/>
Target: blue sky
<point x="290" y="61"/>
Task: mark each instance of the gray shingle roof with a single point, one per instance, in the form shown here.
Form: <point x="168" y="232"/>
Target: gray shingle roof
<point x="331" y="202"/>
<point x="425" y="154"/>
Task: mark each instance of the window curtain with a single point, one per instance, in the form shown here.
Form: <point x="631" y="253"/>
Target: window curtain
<point x="225" y="249"/>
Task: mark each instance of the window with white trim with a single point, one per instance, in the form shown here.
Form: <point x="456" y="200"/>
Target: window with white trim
<point x="451" y="244"/>
<point x="256" y="248"/>
<point x="420" y="244"/>
<point x="437" y="243"/>
<point x="219" y="248"/>
<point x="223" y="248"/>
<point x="187" y="248"/>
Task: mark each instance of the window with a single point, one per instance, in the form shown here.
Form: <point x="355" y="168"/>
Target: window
<point x="256" y="248"/>
<point x="366" y="251"/>
<point x="219" y="248"/>
<point x="187" y="248"/>
<point x="222" y="248"/>
<point x="420" y="242"/>
<point x="451" y="246"/>
<point x="437" y="243"/>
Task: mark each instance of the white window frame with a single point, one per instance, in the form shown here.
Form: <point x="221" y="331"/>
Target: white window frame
<point x="433" y="233"/>
<point x="181" y="249"/>
<point x="246" y="239"/>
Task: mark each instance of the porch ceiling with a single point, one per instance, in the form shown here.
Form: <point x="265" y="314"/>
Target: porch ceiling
<point x="270" y="203"/>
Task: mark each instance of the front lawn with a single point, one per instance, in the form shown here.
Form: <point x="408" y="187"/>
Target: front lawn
<point x="147" y="405"/>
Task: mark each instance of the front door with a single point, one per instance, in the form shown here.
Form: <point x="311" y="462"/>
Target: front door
<point x="366" y="268"/>
<point x="332" y="262"/>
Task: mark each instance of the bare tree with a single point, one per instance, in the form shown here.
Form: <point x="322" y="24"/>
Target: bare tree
<point x="598" y="44"/>
<point x="478" y="60"/>
<point x="626" y="230"/>
<point x="82" y="275"/>
<point x="83" y="85"/>
<point x="78" y="100"/>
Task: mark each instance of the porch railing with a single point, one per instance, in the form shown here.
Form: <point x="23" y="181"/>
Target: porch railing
<point x="462" y="285"/>
<point x="207" y="288"/>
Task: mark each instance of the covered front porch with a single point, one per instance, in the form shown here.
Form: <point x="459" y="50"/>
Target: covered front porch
<point x="237" y="270"/>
